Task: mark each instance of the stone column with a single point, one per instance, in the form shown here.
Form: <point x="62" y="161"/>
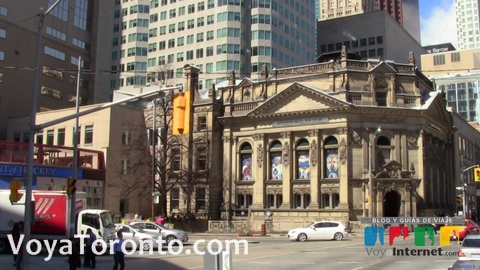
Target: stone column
<point x="330" y="200"/>
<point x="314" y="170"/>
<point x="402" y="208"/>
<point x="228" y="186"/>
<point x="343" y="168"/>
<point x="379" y="201"/>
<point x="259" y="188"/>
<point x="287" y="170"/>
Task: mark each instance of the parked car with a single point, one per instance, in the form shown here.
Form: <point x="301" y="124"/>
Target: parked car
<point x="136" y="233"/>
<point x="319" y="230"/>
<point x="470" y="248"/>
<point x="471" y="227"/>
<point x="465" y="264"/>
<point x="168" y="234"/>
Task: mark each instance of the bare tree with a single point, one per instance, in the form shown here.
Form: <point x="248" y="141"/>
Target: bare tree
<point x="164" y="75"/>
<point x="129" y="161"/>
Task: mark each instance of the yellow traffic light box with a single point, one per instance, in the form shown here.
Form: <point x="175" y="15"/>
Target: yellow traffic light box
<point x="15" y="186"/>
<point x="476" y="174"/>
<point x="71" y="188"/>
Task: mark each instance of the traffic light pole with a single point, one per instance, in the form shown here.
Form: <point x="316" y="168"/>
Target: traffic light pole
<point x="75" y="153"/>
<point x="464" y="189"/>
<point x="29" y="185"/>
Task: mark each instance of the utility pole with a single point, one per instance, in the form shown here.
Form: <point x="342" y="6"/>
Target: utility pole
<point x="75" y="151"/>
<point x="29" y="185"/>
<point x="154" y="155"/>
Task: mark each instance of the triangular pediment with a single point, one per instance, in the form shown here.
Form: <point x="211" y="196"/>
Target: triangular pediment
<point x="437" y="109"/>
<point x="246" y="82"/>
<point x="298" y="97"/>
<point x="383" y="67"/>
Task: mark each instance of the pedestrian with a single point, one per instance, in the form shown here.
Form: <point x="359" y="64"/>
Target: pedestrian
<point x="161" y="220"/>
<point x="90" y="260"/>
<point x="15" y="234"/>
<point x="118" y="255"/>
<point x="16" y="239"/>
<point x="74" y="259"/>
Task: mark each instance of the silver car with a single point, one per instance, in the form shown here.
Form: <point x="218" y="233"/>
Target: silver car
<point x="470" y="248"/>
<point x="136" y="234"/>
<point x="168" y="234"/>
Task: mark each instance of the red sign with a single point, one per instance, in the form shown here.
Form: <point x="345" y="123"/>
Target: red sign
<point x="78" y="205"/>
<point x="50" y="214"/>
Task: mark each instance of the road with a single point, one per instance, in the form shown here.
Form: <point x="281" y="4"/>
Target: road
<point x="280" y="253"/>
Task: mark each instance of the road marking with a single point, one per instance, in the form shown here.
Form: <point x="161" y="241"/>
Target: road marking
<point x="445" y="260"/>
<point x="281" y="254"/>
<point x="358" y="268"/>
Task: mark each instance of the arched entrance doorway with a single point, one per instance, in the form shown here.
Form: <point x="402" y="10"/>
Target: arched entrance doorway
<point x="391" y="203"/>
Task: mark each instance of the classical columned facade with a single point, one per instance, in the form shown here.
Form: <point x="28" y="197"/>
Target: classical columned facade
<point x="296" y="144"/>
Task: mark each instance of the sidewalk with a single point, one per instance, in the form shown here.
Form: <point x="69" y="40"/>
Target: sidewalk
<point x="194" y="236"/>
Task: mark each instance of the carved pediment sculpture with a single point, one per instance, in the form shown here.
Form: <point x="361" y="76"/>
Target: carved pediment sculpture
<point x="393" y="169"/>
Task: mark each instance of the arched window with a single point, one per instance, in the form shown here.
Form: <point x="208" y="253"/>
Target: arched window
<point x="331" y="157"/>
<point x="276" y="162"/>
<point x="382" y="152"/>
<point x="303" y="159"/>
<point x="246" y="174"/>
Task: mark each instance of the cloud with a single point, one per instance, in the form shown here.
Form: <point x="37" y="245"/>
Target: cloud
<point x="439" y="25"/>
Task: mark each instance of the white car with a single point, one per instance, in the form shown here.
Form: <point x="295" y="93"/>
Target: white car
<point x="168" y="234"/>
<point x="136" y="234"/>
<point x="319" y="230"/>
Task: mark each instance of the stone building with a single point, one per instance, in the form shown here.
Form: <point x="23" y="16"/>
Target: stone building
<point x="296" y="145"/>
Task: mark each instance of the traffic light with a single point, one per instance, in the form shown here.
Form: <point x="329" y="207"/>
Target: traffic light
<point x="71" y="186"/>
<point x="476" y="174"/>
<point x="15" y="186"/>
<point x="460" y="199"/>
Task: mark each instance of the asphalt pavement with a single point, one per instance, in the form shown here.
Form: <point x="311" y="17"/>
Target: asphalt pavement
<point x="58" y="261"/>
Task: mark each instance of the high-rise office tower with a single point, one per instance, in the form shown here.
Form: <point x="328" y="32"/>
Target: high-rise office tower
<point x="467" y="18"/>
<point x="153" y="40"/>
<point x="71" y="30"/>
<point x="405" y="12"/>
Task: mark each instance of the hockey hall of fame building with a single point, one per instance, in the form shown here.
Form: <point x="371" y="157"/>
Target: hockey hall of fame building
<point x="296" y="144"/>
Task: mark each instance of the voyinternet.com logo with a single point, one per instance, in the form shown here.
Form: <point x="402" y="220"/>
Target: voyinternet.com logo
<point x="423" y="237"/>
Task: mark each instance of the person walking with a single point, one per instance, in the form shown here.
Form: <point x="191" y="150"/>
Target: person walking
<point x="90" y="260"/>
<point x="16" y="235"/>
<point x="16" y="232"/>
<point x="74" y="259"/>
<point x="118" y="255"/>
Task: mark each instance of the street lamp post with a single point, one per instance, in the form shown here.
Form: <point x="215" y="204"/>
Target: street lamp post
<point x="154" y="155"/>
<point x="29" y="185"/>
<point x="370" y="181"/>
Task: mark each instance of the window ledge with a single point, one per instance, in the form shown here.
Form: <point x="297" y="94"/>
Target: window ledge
<point x="244" y="183"/>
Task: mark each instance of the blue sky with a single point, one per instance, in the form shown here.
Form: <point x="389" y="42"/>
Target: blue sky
<point x="437" y="22"/>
